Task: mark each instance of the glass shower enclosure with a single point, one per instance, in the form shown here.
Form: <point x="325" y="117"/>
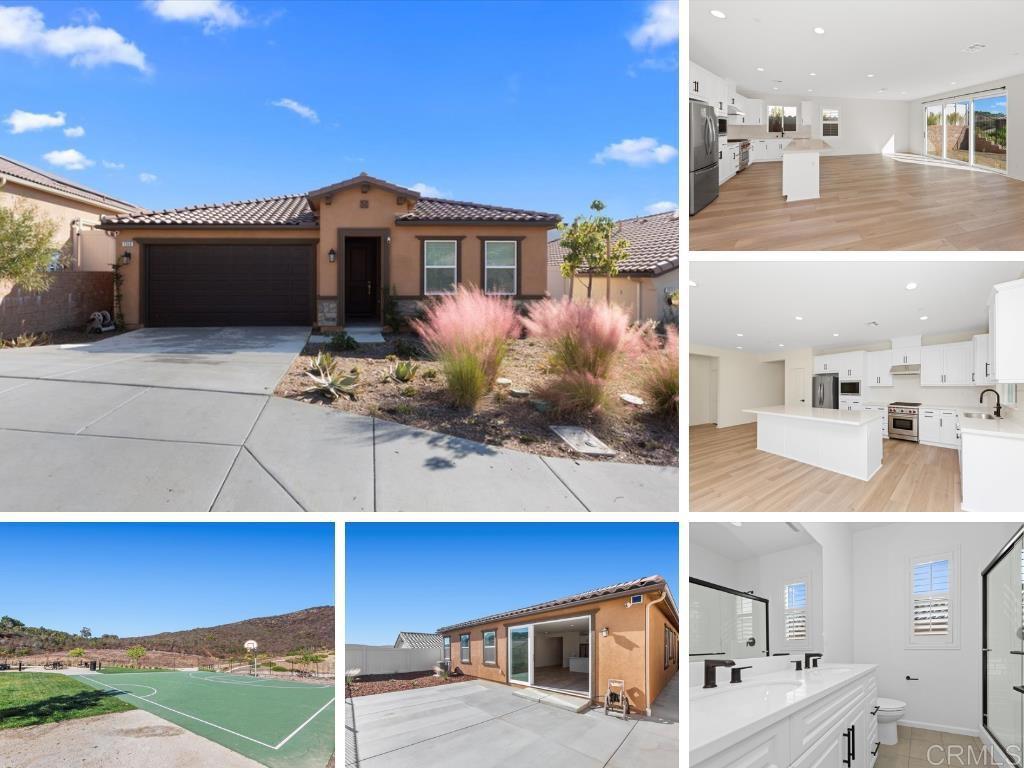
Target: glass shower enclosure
<point x="1003" y="649"/>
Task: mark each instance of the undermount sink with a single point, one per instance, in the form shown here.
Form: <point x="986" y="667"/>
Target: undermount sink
<point x="972" y="415"/>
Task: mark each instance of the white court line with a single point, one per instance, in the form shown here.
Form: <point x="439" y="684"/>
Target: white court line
<point x="248" y="683"/>
<point x="288" y="737"/>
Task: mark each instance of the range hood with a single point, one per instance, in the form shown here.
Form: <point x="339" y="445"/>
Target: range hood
<point x="906" y="370"/>
<point x="732" y="109"/>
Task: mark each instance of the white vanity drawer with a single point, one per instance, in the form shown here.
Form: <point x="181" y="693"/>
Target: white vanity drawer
<point x="872" y="743"/>
<point x="766" y="749"/>
<point x="811" y="724"/>
<point x="829" y="752"/>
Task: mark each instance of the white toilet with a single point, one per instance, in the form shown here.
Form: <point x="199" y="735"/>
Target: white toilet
<point x="890" y="712"/>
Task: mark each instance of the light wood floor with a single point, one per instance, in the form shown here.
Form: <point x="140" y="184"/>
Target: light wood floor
<point x="729" y="474"/>
<point x="867" y="203"/>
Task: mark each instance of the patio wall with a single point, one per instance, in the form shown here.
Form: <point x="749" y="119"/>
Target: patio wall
<point x="385" y="660"/>
<point x="70" y="299"/>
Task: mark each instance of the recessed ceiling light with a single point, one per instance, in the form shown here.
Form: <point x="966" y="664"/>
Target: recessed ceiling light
<point x="799" y="318"/>
<point x="870" y="75"/>
<point x="740" y="335"/>
<point x="739" y="347"/>
<point x="813" y="74"/>
<point x="810" y="90"/>
<point x="782" y="345"/>
<point x="903" y="93"/>
<point x="760" y="69"/>
<point x="693" y="283"/>
<point x="718" y="14"/>
<point x="775" y="87"/>
<point x="835" y="334"/>
<point x="953" y="82"/>
<point x="738" y="525"/>
<point x="819" y="31"/>
<point x="923" y="317"/>
<point x="911" y="286"/>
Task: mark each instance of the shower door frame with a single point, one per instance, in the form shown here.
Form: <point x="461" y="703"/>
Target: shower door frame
<point x="749" y="596"/>
<point x="1014" y="540"/>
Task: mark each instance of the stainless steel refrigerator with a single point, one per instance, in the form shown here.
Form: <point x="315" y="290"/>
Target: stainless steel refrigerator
<point x="703" y="155"/>
<point x="825" y="393"/>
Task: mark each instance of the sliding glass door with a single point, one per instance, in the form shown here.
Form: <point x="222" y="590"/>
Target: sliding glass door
<point x="519" y="653"/>
<point x="968" y="130"/>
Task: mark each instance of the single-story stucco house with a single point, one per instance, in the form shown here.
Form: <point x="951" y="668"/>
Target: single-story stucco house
<point x="648" y="279"/>
<point x="77" y="210"/>
<point x="575" y="644"/>
<point x="418" y="640"/>
<point x="323" y="258"/>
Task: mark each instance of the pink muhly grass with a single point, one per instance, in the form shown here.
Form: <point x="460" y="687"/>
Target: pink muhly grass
<point x="660" y="374"/>
<point x="577" y="392"/>
<point x="468" y="332"/>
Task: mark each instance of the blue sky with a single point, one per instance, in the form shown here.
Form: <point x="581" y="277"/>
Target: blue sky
<point x="136" y="579"/>
<point x="418" y="577"/>
<point x="536" y="105"/>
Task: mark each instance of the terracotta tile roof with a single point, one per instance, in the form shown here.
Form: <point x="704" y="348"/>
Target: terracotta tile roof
<point x="653" y="244"/>
<point x="646" y="583"/>
<point x="18" y="170"/>
<point x="282" y="211"/>
<point x="437" y="209"/>
<point x="418" y="640"/>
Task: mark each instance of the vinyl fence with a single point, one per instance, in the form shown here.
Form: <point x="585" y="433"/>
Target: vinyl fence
<point x="385" y="660"/>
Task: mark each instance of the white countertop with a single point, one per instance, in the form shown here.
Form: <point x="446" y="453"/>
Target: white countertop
<point x="723" y="716"/>
<point x="827" y="415"/>
<point x="1012" y="428"/>
<point x="806" y="145"/>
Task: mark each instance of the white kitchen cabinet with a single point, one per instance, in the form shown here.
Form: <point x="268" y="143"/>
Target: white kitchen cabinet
<point x="947" y="365"/>
<point x="928" y="426"/>
<point x="947" y="428"/>
<point x="808" y="112"/>
<point x="849" y="403"/>
<point x="982" y="368"/>
<point x="725" y="167"/>
<point x="906" y="356"/>
<point x="1006" y="327"/>
<point x="878" y="366"/>
<point x="851" y="366"/>
<point x="826" y="363"/>
<point x="707" y="86"/>
<point x="884" y="421"/>
<point x="758" y="151"/>
<point x="754" y="112"/>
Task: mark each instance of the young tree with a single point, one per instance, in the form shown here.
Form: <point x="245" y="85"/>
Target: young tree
<point x="136" y="653"/>
<point x="26" y="246"/>
<point x="588" y="244"/>
<point x="86" y="633"/>
<point x="9" y="622"/>
<point x="76" y="653"/>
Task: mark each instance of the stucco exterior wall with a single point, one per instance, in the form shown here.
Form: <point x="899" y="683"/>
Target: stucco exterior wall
<point x="658" y="673"/>
<point x="618" y="656"/>
<point x="644" y="298"/>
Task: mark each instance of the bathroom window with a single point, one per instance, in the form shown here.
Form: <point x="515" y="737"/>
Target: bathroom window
<point x="795" y="601"/>
<point x="744" y="619"/>
<point x="933" y="587"/>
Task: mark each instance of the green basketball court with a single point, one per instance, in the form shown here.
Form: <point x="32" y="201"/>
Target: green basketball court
<point x="280" y="723"/>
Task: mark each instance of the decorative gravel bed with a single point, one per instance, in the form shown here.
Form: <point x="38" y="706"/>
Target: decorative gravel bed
<point x="639" y="435"/>
<point x="365" y="685"/>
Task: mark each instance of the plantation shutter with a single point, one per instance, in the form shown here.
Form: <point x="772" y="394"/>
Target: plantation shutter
<point x="795" y="601"/>
<point x="931" y="600"/>
<point x="744" y="619"/>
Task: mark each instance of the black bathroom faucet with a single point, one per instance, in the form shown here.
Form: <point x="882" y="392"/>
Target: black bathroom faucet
<point x="981" y="399"/>
<point x="710" y="665"/>
<point x="809" y="657"/>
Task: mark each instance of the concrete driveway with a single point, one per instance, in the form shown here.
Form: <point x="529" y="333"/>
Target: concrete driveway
<point x="483" y="723"/>
<point x="184" y="420"/>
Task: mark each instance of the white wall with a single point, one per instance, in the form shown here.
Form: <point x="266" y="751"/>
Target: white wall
<point x="385" y="660"/>
<point x="866" y="126"/>
<point x="711" y="566"/>
<point x="744" y="381"/>
<point x="1014" y="127"/>
<point x="947" y="695"/>
<point x="702" y="391"/>
<point x="837" y="587"/>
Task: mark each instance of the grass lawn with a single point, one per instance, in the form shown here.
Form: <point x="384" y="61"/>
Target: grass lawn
<point x="121" y="670"/>
<point x="33" y="698"/>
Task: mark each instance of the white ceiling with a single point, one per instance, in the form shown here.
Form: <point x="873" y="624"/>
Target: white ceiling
<point x="913" y="47"/>
<point x="762" y="299"/>
<point x="747" y="540"/>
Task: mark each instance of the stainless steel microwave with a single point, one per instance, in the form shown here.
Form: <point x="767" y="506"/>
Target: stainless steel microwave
<point x="723" y="126"/>
<point x="849" y="387"/>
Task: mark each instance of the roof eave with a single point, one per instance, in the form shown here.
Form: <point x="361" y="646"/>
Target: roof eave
<point x="476" y="222"/>
<point x="117" y="226"/>
<point x="107" y="203"/>
<point x="357" y="180"/>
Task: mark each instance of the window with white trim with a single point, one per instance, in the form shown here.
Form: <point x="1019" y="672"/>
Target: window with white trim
<point x="464" y="648"/>
<point x="932" y="582"/>
<point x="795" y="600"/>
<point x="829" y="122"/>
<point x="501" y="259"/>
<point x="447" y="645"/>
<point x="490" y="647"/>
<point x="440" y="266"/>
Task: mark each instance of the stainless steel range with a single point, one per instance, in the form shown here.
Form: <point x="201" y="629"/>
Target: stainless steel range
<point x="903" y="421"/>
<point x="744" y="152"/>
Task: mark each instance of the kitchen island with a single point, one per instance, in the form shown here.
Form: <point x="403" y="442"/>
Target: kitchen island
<point x="801" y="169"/>
<point x="847" y="442"/>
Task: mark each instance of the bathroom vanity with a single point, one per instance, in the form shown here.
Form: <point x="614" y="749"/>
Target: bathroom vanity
<point x="824" y="717"/>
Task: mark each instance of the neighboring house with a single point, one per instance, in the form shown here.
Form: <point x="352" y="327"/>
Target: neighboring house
<point x="646" y="281"/>
<point x="575" y="644"/>
<point x="418" y="640"/>
<point x="76" y="209"/>
<point x="324" y="258"/>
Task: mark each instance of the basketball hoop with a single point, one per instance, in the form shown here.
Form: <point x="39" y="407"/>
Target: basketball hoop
<point x="251" y="646"/>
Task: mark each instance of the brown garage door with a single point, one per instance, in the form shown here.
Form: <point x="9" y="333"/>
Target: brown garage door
<point x="243" y="284"/>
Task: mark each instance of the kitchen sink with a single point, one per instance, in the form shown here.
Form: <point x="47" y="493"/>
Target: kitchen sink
<point x="972" y="415"/>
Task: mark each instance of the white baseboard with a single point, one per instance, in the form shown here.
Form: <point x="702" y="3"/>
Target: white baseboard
<point x="940" y="727"/>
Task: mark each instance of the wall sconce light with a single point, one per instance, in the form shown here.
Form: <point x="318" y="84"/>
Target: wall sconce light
<point x="604" y="631"/>
<point x="332" y="255"/>
<point x="126" y="257"/>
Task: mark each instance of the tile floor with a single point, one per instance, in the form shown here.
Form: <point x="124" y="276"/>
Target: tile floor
<point x="921" y="748"/>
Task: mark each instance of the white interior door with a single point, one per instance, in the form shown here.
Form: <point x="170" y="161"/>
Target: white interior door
<point x="797" y="387"/>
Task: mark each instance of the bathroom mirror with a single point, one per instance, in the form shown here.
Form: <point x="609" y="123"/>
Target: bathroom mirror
<point x="755" y="590"/>
<point x="724" y="622"/>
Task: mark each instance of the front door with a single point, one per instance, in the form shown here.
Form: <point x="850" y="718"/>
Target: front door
<point x="362" y="278"/>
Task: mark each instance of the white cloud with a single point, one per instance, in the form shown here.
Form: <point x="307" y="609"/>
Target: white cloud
<point x="662" y="206"/>
<point x="426" y="190"/>
<point x="112" y="165"/>
<point x="299" y="109"/>
<point x="214" y="15"/>
<point x="85" y="15"/>
<point x="22" y="121"/>
<point x="75" y="132"/>
<point x="642" y="151"/>
<point x="70" y="159"/>
<point x="660" y="27"/>
<point x="147" y="178"/>
<point x="22" y="29"/>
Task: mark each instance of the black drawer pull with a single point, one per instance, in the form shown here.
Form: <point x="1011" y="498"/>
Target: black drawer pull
<point x="912" y="678"/>
<point x="1019" y="688"/>
<point x="878" y="746"/>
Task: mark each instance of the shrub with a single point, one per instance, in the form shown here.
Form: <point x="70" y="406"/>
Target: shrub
<point x="389" y="314"/>
<point x="324" y="361"/>
<point x="468" y="333"/>
<point x="404" y="371"/>
<point x="660" y="376"/>
<point x="430" y="373"/>
<point x="341" y="341"/>
<point x="405" y="348"/>
<point x="577" y="392"/>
